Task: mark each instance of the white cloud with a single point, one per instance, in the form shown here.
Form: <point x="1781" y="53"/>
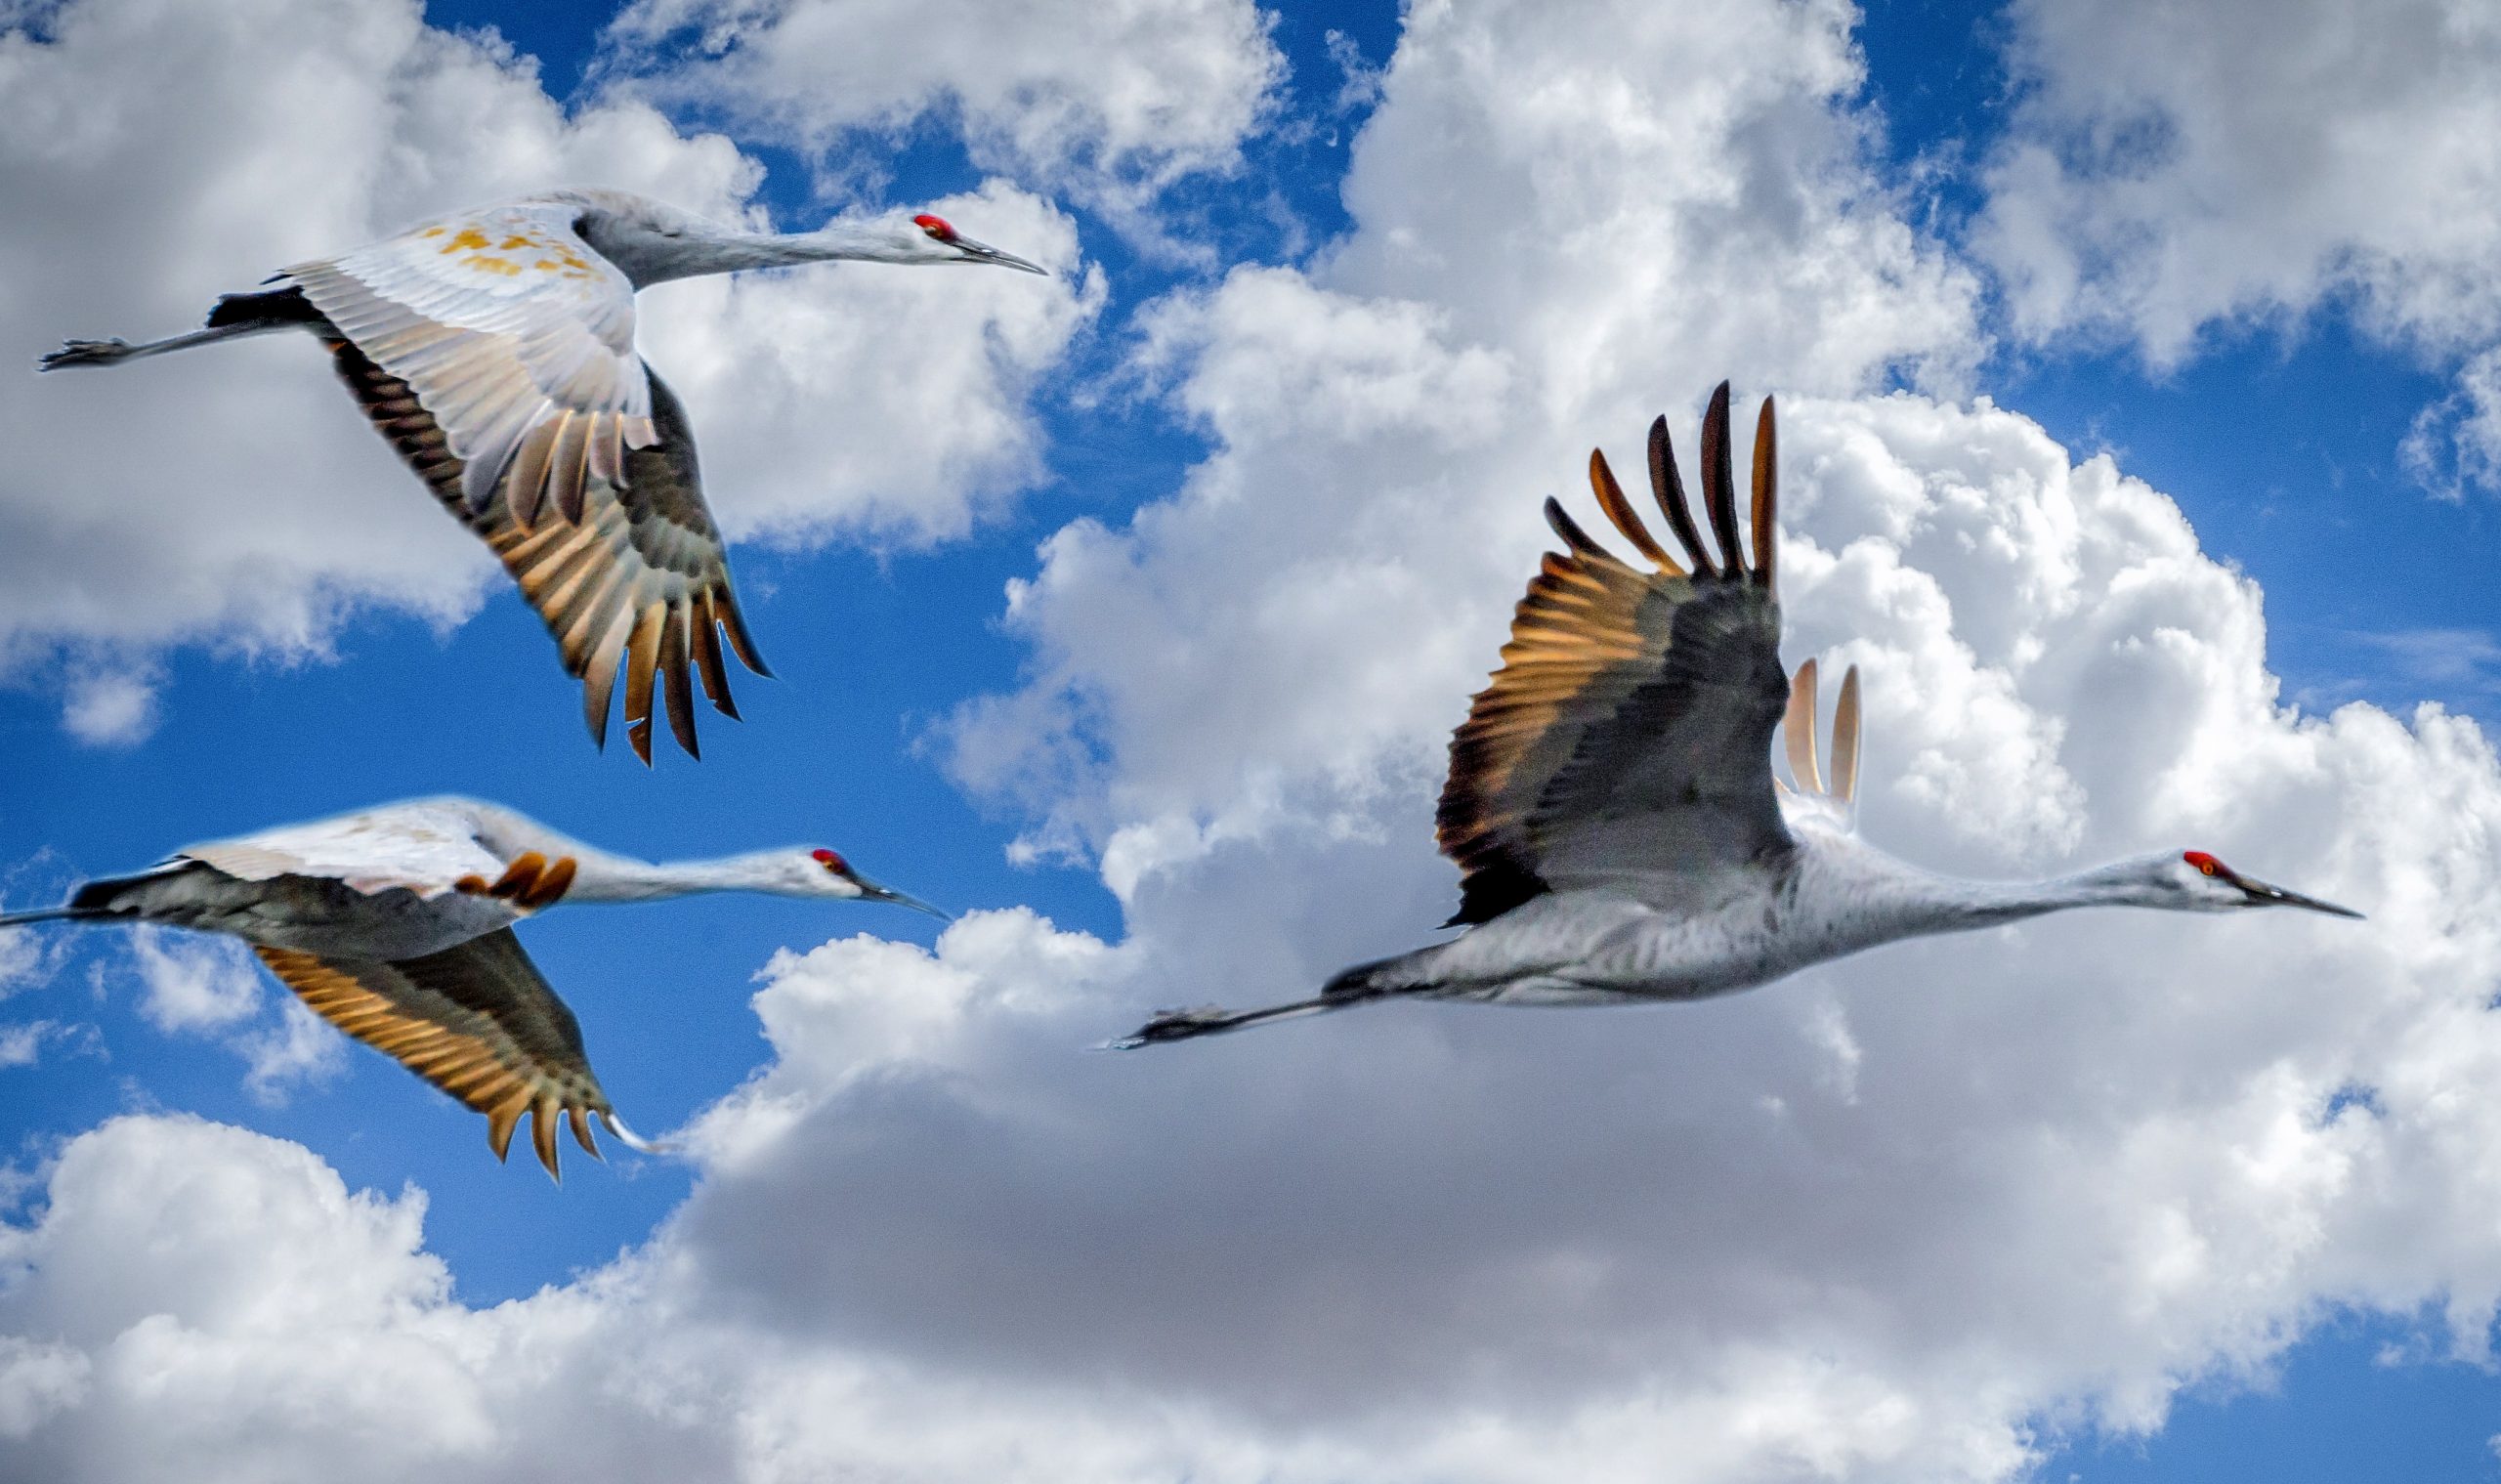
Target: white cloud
<point x="210" y="985"/>
<point x="193" y="982"/>
<point x="1113" y="101"/>
<point x="1906" y="1218"/>
<point x="302" y="1048"/>
<point x="233" y="500"/>
<point x="110" y="708"/>
<point x="2174" y="170"/>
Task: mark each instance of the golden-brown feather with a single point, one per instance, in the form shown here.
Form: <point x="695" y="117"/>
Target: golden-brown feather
<point x="588" y="579"/>
<point x="1589" y="647"/>
<point x="476" y="1021"/>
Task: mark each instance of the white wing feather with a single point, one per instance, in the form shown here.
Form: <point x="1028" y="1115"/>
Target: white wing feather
<point x="514" y="334"/>
<point x="423" y="847"/>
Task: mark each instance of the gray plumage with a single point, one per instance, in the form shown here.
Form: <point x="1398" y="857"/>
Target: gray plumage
<point x="1613" y="808"/>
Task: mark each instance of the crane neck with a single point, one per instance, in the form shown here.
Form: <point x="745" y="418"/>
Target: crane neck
<point x="1921" y="903"/>
<point x="663" y="260"/>
<point x="1874" y="898"/>
<point x="618" y="879"/>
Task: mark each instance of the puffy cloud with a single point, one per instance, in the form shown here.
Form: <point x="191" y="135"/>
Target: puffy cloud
<point x="238" y="502"/>
<point x="192" y="982"/>
<point x="211" y="986"/>
<point x="2171" y="168"/>
<point x="1112" y="100"/>
<point x="1905" y="1218"/>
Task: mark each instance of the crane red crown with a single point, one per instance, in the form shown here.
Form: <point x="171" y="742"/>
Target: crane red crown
<point x="2203" y="861"/>
<point x="831" y="861"/>
<point x="935" y="226"/>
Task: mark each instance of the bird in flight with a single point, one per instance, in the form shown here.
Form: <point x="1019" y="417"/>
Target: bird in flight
<point x="1612" y="805"/>
<point x="495" y="350"/>
<point x="396" y="925"/>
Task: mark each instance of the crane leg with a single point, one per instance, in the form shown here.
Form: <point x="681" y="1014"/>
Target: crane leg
<point x="234" y="317"/>
<point x="1356" y="986"/>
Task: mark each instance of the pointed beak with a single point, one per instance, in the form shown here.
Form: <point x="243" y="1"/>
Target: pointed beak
<point x="983" y="252"/>
<point x="2263" y="895"/>
<point x="871" y="891"/>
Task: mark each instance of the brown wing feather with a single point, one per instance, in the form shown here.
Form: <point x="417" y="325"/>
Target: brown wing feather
<point x="477" y="1021"/>
<point x="647" y="548"/>
<point x="1632" y="718"/>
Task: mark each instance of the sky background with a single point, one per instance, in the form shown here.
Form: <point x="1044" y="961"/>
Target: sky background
<point x="2141" y="373"/>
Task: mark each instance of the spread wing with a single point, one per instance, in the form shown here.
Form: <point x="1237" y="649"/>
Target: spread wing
<point x="515" y="337"/>
<point x="639" y="581"/>
<point x="423" y="848"/>
<point x="1811" y="799"/>
<point x="1628" y="730"/>
<point x="478" y="1022"/>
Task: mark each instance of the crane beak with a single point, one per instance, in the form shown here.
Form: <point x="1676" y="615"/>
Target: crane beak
<point x="2263" y="895"/>
<point x="983" y="252"/>
<point x="871" y="891"/>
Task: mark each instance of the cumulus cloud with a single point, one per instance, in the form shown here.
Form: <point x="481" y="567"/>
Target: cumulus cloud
<point x="211" y="986"/>
<point x="2177" y="168"/>
<point x="1906" y="1218"/>
<point x="193" y="983"/>
<point x="1113" y="101"/>
<point x="238" y="502"/>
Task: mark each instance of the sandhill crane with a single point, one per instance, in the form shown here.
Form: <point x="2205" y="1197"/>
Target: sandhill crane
<point x="495" y="350"/>
<point x="396" y="925"/>
<point x="1612" y="804"/>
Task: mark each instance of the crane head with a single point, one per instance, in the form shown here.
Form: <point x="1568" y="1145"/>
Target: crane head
<point x="823" y="872"/>
<point x="2204" y="883"/>
<point x="941" y="242"/>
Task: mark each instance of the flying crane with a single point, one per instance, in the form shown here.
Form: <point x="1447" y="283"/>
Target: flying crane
<point x="495" y="350"/>
<point x="396" y="925"/>
<point x="1612" y="806"/>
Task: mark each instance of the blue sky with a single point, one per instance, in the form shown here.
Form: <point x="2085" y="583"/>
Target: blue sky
<point x="2278" y="432"/>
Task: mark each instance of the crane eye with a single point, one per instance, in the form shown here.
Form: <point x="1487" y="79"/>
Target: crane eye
<point x="935" y="226"/>
<point x="2206" y="864"/>
<point x="831" y="861"/>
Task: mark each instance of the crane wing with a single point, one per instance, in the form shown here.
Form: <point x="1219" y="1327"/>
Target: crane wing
<point x="1628" y="730"/>
<point x="1812" y="798"/>
<point x="513" y="335"/>
<point x="641" y="580"/>
<point x="478" y="1022"/>
<point x="425" y="848"/>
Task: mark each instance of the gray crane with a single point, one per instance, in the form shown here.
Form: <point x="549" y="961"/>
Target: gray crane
<point x="396" y="923"/>
<point x="1612" y="804"/>
<point x="495" y="350"/>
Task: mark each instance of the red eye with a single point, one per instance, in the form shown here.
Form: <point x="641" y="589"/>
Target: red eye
<point x="831" y="861"/>
<point x="936" y="227"/>
<point x="2203" y="861"/>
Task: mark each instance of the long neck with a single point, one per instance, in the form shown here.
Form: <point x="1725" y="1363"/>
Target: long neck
<point x="1874" y="898"/>
<point x="1959" y="905"/>
<point x="727" y="252"/>
<point x="616" y="878"/>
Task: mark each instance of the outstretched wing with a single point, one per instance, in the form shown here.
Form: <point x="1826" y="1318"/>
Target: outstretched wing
<point x="513" y="335"/>
<point x="1810" y="797"/>
<point x="640" y="580"/>
<point x="1629" y="731"/>
<point x="478" y="1022"/>
<point x="426" y="847"/>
